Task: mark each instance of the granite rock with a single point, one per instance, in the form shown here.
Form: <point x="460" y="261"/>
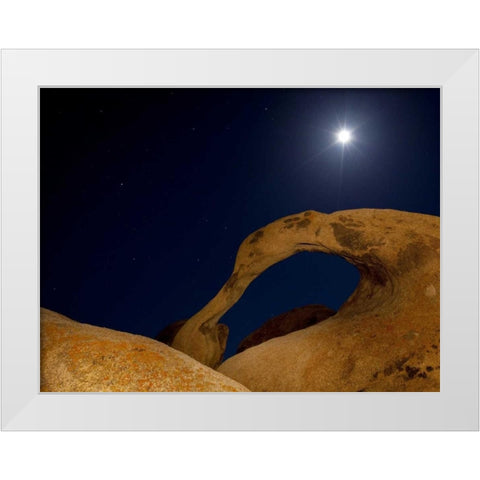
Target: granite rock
<point x="77" y="357"/>
<point x="385" y="337"/>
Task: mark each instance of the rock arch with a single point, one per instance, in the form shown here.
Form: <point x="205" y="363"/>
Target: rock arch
<point x="397" y="254"/>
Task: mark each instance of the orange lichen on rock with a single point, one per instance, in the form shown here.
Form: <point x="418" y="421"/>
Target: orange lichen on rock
<point x="77" y="357"/>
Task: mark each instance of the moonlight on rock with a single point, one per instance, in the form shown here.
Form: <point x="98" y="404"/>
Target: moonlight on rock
<point x="240" y="239"/>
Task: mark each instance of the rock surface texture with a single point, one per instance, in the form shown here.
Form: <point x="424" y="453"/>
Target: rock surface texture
<point x="288" y="322"/>
<point x="76" y="357"/>
<point x="385" y="337"/>
<point x="167" y="335"/>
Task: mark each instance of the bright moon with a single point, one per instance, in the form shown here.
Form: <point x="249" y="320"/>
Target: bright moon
<point x="344" y="136"/>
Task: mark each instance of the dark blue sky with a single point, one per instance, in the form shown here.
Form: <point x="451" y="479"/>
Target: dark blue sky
<point x="146" y="194"/>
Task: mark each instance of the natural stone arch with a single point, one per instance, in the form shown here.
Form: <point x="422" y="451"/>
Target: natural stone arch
<point x="388" y="247"/>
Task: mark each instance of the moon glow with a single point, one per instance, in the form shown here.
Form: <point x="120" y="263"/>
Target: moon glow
<point x="344" y="136"/>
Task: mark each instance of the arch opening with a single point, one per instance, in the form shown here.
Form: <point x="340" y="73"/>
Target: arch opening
<point x="306" y="278"/>
<point x="364" y="238"/>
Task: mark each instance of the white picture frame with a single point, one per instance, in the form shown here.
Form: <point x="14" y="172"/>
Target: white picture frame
<point x="455" y="407"/>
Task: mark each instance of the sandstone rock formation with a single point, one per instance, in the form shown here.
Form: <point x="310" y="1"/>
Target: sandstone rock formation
<point x="288" y="322"/>
<point x="385" y="337"/>
<point x="76" y="357"/>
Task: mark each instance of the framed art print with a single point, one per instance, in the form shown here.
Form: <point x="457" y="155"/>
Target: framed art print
<point x="240" y="239"/>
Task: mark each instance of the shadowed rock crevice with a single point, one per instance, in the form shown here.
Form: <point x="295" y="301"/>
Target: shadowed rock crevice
<point x="286" y="323"/>
<point x="398" y="260"/>
<point x="218" y="335"/>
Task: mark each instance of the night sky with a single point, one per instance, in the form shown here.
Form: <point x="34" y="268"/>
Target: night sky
<point x="146" y="194"/>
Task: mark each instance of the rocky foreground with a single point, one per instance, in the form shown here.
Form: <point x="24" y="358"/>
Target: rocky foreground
<point x="385" y="337"/>
<point x="76" y="357"/>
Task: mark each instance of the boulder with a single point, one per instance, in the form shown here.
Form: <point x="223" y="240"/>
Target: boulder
<point x="76" y="357"/>
<point x="385" y="337"/>
<point x="288" y="322"/>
